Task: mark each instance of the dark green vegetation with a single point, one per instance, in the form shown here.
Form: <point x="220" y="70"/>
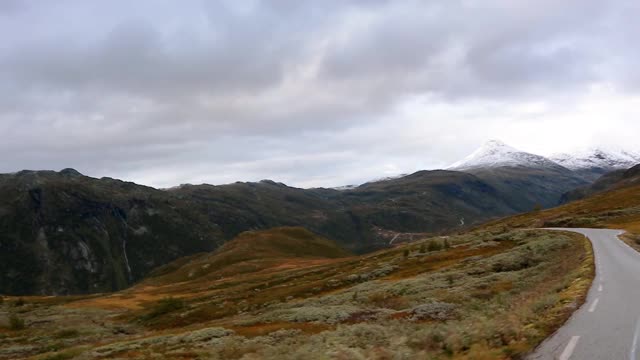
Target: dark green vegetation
<point x="615" y="207"/>
<point x="363" y="219"/>
<point x="163" y="307"/>
<point x="15" y="322"/>
<point x="482" y="295"/>
<point x="65" y="233"/>
<point x="613" y="180"/>
<point x="524" y="188"/>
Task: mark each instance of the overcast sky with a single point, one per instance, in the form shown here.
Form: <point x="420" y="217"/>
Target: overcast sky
<point x="310" y="93"/>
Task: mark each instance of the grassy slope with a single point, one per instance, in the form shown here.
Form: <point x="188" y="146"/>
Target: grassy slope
<point x="250" y="251"/>
<point x="616" y="209"/>
<point x="482" y="295"/>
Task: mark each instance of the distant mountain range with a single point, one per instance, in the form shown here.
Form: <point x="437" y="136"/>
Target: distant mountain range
<point x="595" y="162"/>
<point x="588" y="164"/>
<point x="526" y="180"/>
<point x="66" y="233"/>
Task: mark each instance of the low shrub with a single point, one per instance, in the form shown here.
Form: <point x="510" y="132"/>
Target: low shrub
<point x="388" y="301"/>
<point x="434" y="245"/>
<point x="434" y="311"/>
<point x="361" y="336"/>
<point x="235" y="349"/>
<point x="546" y="302"/>
<point x="16" y="323"/>
<point x="515" y="261"/>
<point x="165" y="306"/>
<point x="431" y="339"/>
<point x="62" y="356"/>
<point x="66" y="334"/>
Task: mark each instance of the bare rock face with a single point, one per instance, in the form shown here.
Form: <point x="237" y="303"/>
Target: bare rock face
<point x="64" y="233"/>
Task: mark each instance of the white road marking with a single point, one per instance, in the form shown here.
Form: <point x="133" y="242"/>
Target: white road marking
<point x="600" y="287"/>
<point x="592" y="308"/>
<point x="634" y="345"/>
<point x="566" y="354"/>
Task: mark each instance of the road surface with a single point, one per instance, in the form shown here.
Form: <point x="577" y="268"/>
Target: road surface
<point x="607" y="326"/>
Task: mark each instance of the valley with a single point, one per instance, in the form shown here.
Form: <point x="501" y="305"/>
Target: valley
<point x="64" y="233"/>
<point x="442" y="264"/>
<point x="319" y="180"/>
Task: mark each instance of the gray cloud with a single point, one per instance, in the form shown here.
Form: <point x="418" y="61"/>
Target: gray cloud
<point x="313" y="93"/>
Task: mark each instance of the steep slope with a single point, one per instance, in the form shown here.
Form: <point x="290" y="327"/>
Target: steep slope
<point x="64" y="233"/>
<point x="613" y="180"/>
<point x="426" y="201"/>
<point x="525" y="181"/>
<point x="525" y="188"/>
<point x="595" y="162"/>
<point x="616" y="208"/>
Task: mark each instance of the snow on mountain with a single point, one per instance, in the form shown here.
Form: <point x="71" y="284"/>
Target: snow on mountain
<point x="345" y="187"/>
<point x="495" y="153"/>
<point x="608" y="159"/>
<point x="386" y="178"/>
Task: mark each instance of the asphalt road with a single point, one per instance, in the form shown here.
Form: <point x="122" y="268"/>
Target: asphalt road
<point x="607" y="326"/>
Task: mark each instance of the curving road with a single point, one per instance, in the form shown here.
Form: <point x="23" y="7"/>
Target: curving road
<point x="607" y="326"/>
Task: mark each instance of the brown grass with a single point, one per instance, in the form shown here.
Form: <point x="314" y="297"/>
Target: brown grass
<point x="229" y="301"/>
<point x="265" y="329"/>
<point x="441" y="260"/>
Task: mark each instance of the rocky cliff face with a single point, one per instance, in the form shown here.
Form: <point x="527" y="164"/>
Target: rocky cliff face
<point x="63" y="233"/>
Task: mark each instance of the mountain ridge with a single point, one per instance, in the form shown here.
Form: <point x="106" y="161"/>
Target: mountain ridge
<point x="495" y="153"/>
<point x="66" y="233"/>
<point x="595" y="162"/>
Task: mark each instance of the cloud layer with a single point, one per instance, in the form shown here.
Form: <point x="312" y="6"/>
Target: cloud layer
<point x="309" y="93"/>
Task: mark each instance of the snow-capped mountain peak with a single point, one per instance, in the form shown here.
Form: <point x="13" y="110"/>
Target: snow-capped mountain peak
<point x="495" y="153"/>
<point x="607" y="159"/>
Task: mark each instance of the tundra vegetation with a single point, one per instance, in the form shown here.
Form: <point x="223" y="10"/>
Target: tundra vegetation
<point x="287" y="293"/>
<point x="614" y="207"/>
